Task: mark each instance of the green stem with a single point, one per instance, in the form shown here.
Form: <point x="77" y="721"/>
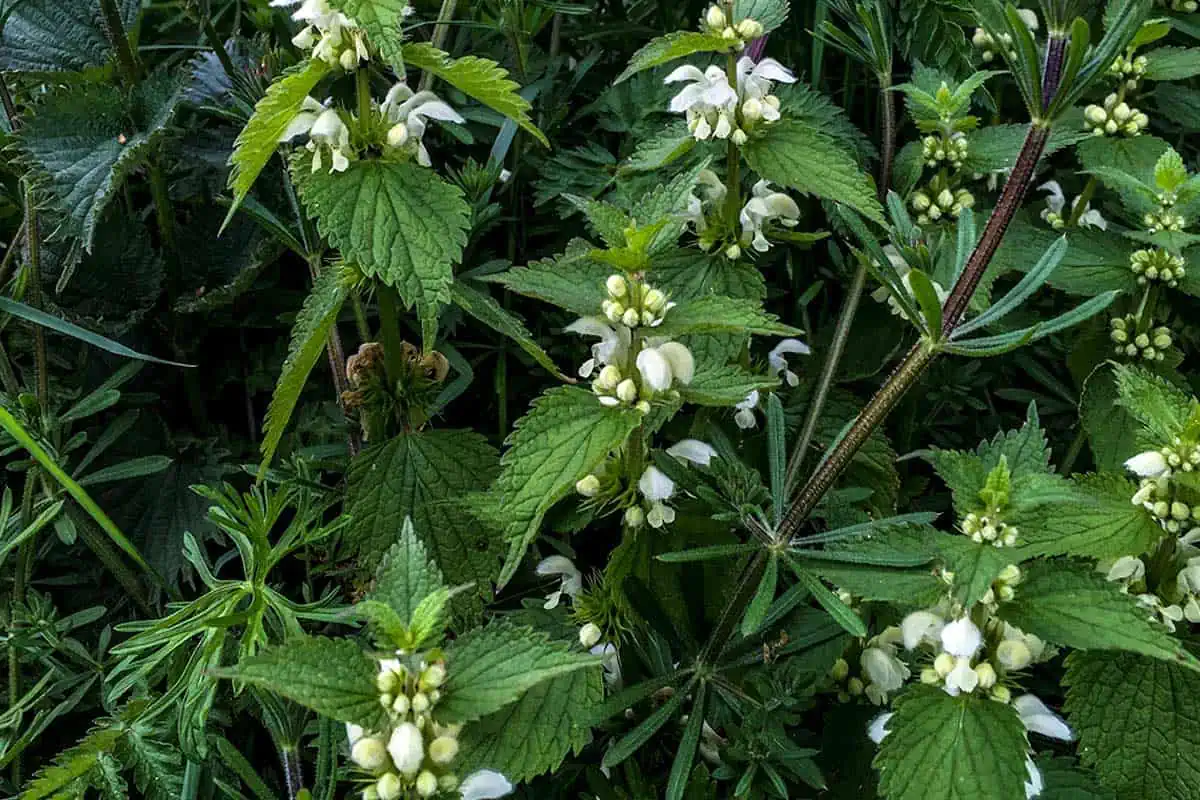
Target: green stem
<point x="1081" y="204"/>
<point x="20" y="583"/>
<point x="362" y="85"/>
<point x="33" y="263"/>
<point x="389" y="332"/>
<point x="731" y="614"/>
<point x="440" y="30"/>
<point x="100" y="546"/>
<point x="114" y="30"/>
<point x="164" y="212"/>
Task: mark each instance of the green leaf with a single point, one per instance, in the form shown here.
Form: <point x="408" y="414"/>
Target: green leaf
<point x="844" y="615"/>
<point x="1173" y="63"/>
<point x="565" y="435"/>
<point x="310" y="333"/>
<point x="975" y="565"/>
<point x="689" y="273"/>
<point x="905" y="587"/>
<point x="39" y="317"/>
<point x="53" y="36"/>
<point x="1095" y="261"/>
<point x="1097" y="522"/>
<point x="764" y="595"/>
<point x="400" y="223"/>
<point x="1112" y="431"/>
<point x="800" y="157"/>
<point x="490" y="667"/>
<point x="1134" y="155"/>
<point x="1162" y="408"/>
<point x="533" y="735"/>
<point x="483" y="308"/>
<point x="333" y="677"/>
<point x="259" y="140"/>
<point x="717" y="314"/>
<point x="769" y="13"/>
<point x="1065" y="781"/>
<point x="1069" y="603"/>
<point x="71" y="765"/>
<point x="665" y="147"/>
<point x="606" y="219"/>
<point x="672" y="46"/>
<point x="1138" y="722"/>
<point x="1169" y="171"/>
<point x="407" y="575"/>
<point x="424" y="475"/>
<point x="724" y="386"/>
<point x="382" y="20"/>
<point x="82" y="141"/>
<point x="573" y="281"/>
<point x="480" y="78"/>
<point x="952" y="748"/>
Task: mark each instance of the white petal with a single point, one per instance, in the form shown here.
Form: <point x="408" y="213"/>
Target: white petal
<point x="611" y="662"/>
<point x="591" y="326"/>
<point x="1093" y="219"/>
<point x="693" y="450"/>
<point x="920" y="626"/>
<point x="655" y="369"/>
<point x="962" y="638"/>
<point x="1035" y="785"/>
<point x="557" y="565"/>
<point x="772" y="70"/>
<point x="353" y="733"/>
<point x="485" y="784"/>
<point x="1037" y="718"/>
<point x="655" y="485"/>
<point x="750" y="402"/>
<point x="1150" y="464"/>
<point x="877" y="730"/>
<point x="685" y="73"/>
<point x="301" y="123"/>
<point x="328" y="126"/>
<point x="683" y="366"/>
<point x="436" y="109"/>
<point x="1056" y="200"/>
<point x="884" y="669"/>
<point x="962" y="678"/>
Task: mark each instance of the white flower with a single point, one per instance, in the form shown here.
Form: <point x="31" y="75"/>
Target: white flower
<point x="1189" y="577"/>
<point x="666" y="364"/>
<point x="920" y="627"/>
<point x="408" y="112"/>
<point x="709" y="193"/>
<point x="1057" y="201"/>
<point x="693" y="450"/>
<point x="1037" y="718"/>
<point x="353" y="733"/>
<point x="1033" y="786"/>
<point x="369" y="753"/>
<point x="310" y="109"/>
<point x="1127" y="569"/>
<point x="612" y="347"/>
<point x="406" y="748"/>
<point x="708" y="101"/>
<point x="656" y="487"/>
<point x="328" y="130"/>
<point x="963" y="678"/>
<point x="572" y="579"/>
<point x="962" y="638"/>
<point x="765" y="206"/>
<point x="779" y="364"/>
<point x="485" y="784"/>
<point x="754" y="81"/>
<point x="611" y="662"/>
<point x="886" y="672"/>
<point x="590" y="634"/>
<point x="745" y="411"/>
<point x="1029" y="17"/>
<point x="877" y="730"/>
<point x="1150" y="464"/>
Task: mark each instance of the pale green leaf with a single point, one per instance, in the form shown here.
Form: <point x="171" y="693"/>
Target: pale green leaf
<point x="407" y="575"/>
<point x="398" y="222"/>
<point x="770" y="13"/>
<point x="671" y="47"/>
<point x="573" y="281"/>
<point x="72" y="765"/>
<point x="486" y="310"/>
<point x="55" y="36"/>
<point x="382" y="20"/>
<point x="1169" y="171"/>
<point x="718" y="314"/>
<point x="608" y="221"/>
<point x="1098" y="522"/>
<point x="1162" y="408"/>
<point x="661" y="149"/>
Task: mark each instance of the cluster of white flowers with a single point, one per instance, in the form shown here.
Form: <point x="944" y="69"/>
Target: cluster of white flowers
<point x="1115" y="117"/>
<point x="777" y="364"/>
<point x="1056" y="202"/>
<point x="1129" y="69"/>
<point x="716" y="109"/>
<point x="764" y="206"/>
<point x="1165" y="219"/>
<point x="990" y="529"/>
<point x="988" y="47"/>
<point x="1156" y="492"/>
<point x="1131" y="340"/>
<point x="715" y="21"/>
<point x="1158" y="265"/>
<point x="590" y="635"/>
<point x="407" y="112"/>
<point x="327" y="133"/>
<point x="331" y="36"/>
<point x="952" y="149"/>
<point x="931" y="204"/>
<point x="416" y="754"/>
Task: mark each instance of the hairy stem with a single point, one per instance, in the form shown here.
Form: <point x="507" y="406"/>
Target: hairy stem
<point x="114" y="31"/>
<point x="1056" y="51"/>
<point x="33" y="263"/>
<point x="389" y="331"/>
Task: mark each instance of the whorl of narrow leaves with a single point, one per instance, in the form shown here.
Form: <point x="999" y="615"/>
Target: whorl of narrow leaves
<point x="672" y="46"/>
<point x="309" y="335"/>
<point x="382" y="20"/>
<point x="486" y="310"/>
<point x="259" y="140"/>
<point x="480" y="78"/>
<point x="952" y="748"/>
<point x="398" y="222"/>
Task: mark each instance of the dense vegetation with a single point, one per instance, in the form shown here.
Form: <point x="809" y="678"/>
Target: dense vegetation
<point x="617" y="399"/>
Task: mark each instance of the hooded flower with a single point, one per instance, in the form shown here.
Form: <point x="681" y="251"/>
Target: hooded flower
<point x="665" y="365"/>
<point x="708" y="101"/>
<point x="572" y="579"/>
<point x="611" y="662"/>
<point x="877" y="729"/>
<point x="763" y="207"/>
<point x="921" y="627"/>
<point x="1150" y="464"/>
<point x="408" y="113"/>
<point x="325" y="130"/>
<point x="657" y="488"/>
<point x="1056" y="201"/>
<point x="754" y="81"/>
<point x="885" y="671"/>
<point x="779" y="364"/>
<point x="485" y="784"/>
<point x="744" y="416"/>
<point x="612" y="347"/>
<point x="709" y="193"/>
<point x="1037" y="718"/>
<point x="693" y="450"/>
<point x="406" y="748"/>
<point x="962" y="638"/>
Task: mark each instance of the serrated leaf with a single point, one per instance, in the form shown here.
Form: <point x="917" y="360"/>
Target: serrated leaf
<point x="1162" y="408"/>
<point x="724" y="386"/>
<point x="1173" y="63"/>
<point x="1169" y="171"/>
<point x="55" y="36"/>
<point x="400" y="223"/>
<point x="333" y="677"/>
<point x="608" y="221"/>
<point x="490" y="667"/>
<point x="975" y="565"/>
<point x="71" y="765"/>
<point x="952" y="748"/>
<point x="1095" y="262"/>
<point x="671" y="47"/>
<point x="1112" y="431"/>
<point x="1138" y="722"/>
<point x="906" y="587"/>
<point x="1098" y="522"/>
<point x="690" y="273"/>
<point x="718" y="314"/>
<point x="407" y="575"/>
<point x="157" y="765"/>
<point x="533" y="735"/>
<point x="424" y="475"/>
<point x="769" y="13"/>
<point x="82" y="141"/>
<point x="480" y="78"/>
<point x="1069" y="603"/>
<point x="259" y="140"/>
<point x="563" y="437"/>
<point x="661" y="149"/>
<point x="382" y="20"/>
<point x="798" y="156"/>
<point x="1065" y="781"/>
<point x="486" y="310"/>
<point x="310" y="332"/>
<point x="573" y="280"/>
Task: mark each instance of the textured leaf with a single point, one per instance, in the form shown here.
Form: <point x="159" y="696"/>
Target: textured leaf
<point x="331" y="676"/>
<point x="481" y="78"/>
<point x="665" y="147"/>
<point x="608" y="221"/>
<point x="975" y="566"/>
<point x="1173" y="63"/>
<point x="57" y="36"/>
<point x="770" y="13"/>
<point x="672" y="46"/>
<point x="717" y="314"/>
<point x="690" y="273"/>
<point x="565" y="435"/>
<point x="1112" y="431"/>
<point x="1162" y="408"/>
<point x="1136" y="155"/>
<point x="259" y="140"/>
<point x="397" y="222"/>
<point x="382" y="20"/>
<point x="483" y="308"/>
<point x="84" y="140"/>
<point x="309" y="335"/>
<point x="724" y="386"/>
<point x="800" y="157"/>
<point x="533" y="735"/>
<point x="572" y="281"/>
<point x="1069" y="603"/>
<point x="157" y="765"/>
<point x="1095" y="261"/>
<point x="1099" y="522"/>
<point x="493" y="666"/>
<point x="71" y="765"/>
<point x="1138" y="722"/>
<point x="1064" y="781"/>
<point x="424" y="475"/>
<point x="406" y="575"/>
<point x="952" y="748"/>
<point x="995" y="147"/>
<point x="905" y="587"/>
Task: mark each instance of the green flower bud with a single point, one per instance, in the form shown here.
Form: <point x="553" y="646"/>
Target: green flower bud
<point x="443" y="749"/>
<point x="388" y="787"/>
<point x="427" y="784"/>
<point x="588" y="486"/>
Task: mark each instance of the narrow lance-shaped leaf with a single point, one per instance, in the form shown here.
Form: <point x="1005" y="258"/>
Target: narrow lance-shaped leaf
<point x="39" y="317"/>
<point x="483" y="308"/>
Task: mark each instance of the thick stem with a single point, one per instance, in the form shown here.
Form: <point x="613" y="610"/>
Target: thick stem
<point x="107" y="555"/>
<point x="362" y="86"/>
<point x="114" y="30"/>
<point x="1056" y="51"/>
<point x="293" y="775"/>
<point x="887" y="126"/>
<point x="389" y="332"/>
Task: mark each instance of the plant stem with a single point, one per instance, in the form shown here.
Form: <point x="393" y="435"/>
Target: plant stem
<point x="362" y="86"/>
<point x="10" y="108"/>
<point x="1081" y="204"/>
<point x="440" y="30"/>
<point x="114" y="30"/>
<point x="731" y="614"/>
<point x="100" y="546"/>
<point x="20" y="579"/>
<point x="389" y="331"/>
<point x="33" y="263"/>
<point x="218" y="46"/>
<point x="163" y="211"/>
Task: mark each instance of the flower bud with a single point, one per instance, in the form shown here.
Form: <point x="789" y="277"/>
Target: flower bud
<point x="1001" y="694"/>
<point x="1180" y="511"/>
<point x="729" y="34"/>
<point x="654" y="300"/>
<point x="1010" y="574"/>
<point x="634" y="517"/>
<point x="986" y="674"/>
<point x="388" y="787"/>
<point x="443" y="749"/>
<point x="839" y="670"/>
<point x="733" y="252"/>
<point x="616" y="285"/>
<point x="750" y="29"/>
<point x="369" y="753"/>
<point x="1095" y="115"/>
<point x="1162" y="341"/>
<point x="944" y="664"/>
<point x="609" y="377"/>
<point x="715" y="17"/>
<point x="406" y="748"/>
<point x="631" y="318"/>
<point x="855" y="687"/>
<point x="1013" y="654"/>
<point x="920" y="201"/>
<point x="348" y="59"/>
<point x="738" y="137"/>
<point x="305" y="38"/>
<point x="930" y="677"/>
<point x="420" y="703"/>
<point x="588" y="486"/>
<point x="397" y="135"/>
<point x="427" y="784"/>
<point x="386" y="681"/>
<point x="1122" y="112"/>
<point x="401" y="704"/>
<point x="627" y="391"/>
<point x="643" y="407"/>
<point x="613" y="311"/>
<point x="945" y="198"/>
<point x="752" y="110"/>
<point x="433" y="676"/>
<point x="590" y="634"/>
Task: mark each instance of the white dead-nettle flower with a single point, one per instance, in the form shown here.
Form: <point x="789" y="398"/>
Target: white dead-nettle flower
<point x="332" y="36"/>
<point x="763" y="207"/>
<point x="1038" y="718"/>
<point x="755" y="80"/>
<point x="665" y="364"/>
<point x="408" y="113"/>
<point x="709" y="193"/>
<point x="708" y="101"/>
<point x="1188" y="582"/>
<point x="877" y="729"/>
<point x="657" y="488"/>
<point x="571" y="579"/>
<point x="325" y="130"/>
<point x="1056" y="201"/>
<point x="590" y="634"/>
<point x="1166" y="613"/>
<point x="611" y="662"/>
<point x="1126" y="570"/>
<point x="744" y="416"/>
<point x="407" y="748"/>
<point x="693" y="450"/>
<point x="613" y="345"/>
<point x="778" y="363"/>
<point x="884" y="670"/>
<point x="1150" y="464"/>
<point x="961" y="638"/>
<point x="921" y="627"/>
<point x="882" y="294"/>
<point x="485" y="784"/>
